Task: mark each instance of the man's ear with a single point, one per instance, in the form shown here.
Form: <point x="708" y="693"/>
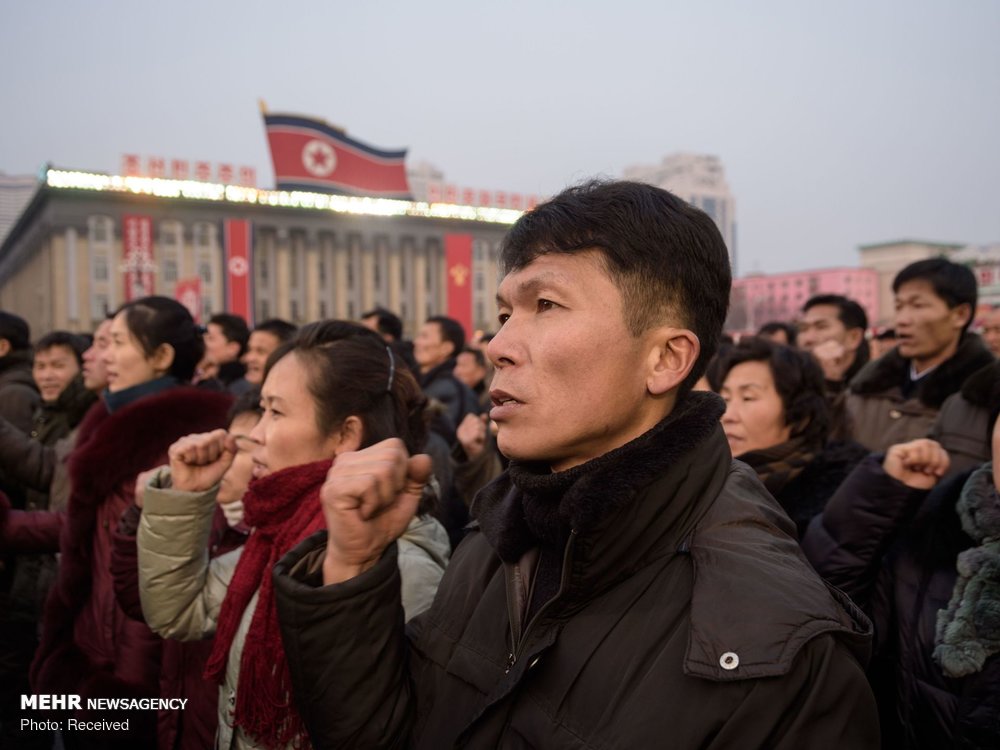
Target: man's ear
<point x="961" y="314"/>
<point x="671" y="359"/>
<point x="4" y="347"/>
<point x="163" y="358"/>
<point x="854" y="338"/>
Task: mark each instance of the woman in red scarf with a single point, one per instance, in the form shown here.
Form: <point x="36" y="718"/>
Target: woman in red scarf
<point x="334" y="389"/>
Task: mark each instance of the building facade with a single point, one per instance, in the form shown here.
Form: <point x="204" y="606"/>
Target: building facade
<point x="64" y="264"/>
<point x="760" y="299"/>
<point x="700" y="180"/>
<point x="15" y="193"/>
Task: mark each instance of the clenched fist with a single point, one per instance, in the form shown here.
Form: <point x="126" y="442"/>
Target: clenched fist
<point x="919" y="464"/>
<point x="197" y="462"/>
<point x="369" y="498"/>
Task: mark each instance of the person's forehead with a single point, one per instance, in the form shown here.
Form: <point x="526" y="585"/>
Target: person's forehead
<point x="264" y="339"/>
<point x="56" y="351"/>
<point x="750" y="373"/>
<point x="917" y="288"/>
<point x="823" y="312"/>
<point x="564" y="270"/>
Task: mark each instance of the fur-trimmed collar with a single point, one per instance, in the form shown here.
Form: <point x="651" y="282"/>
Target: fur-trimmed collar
<point x="982" y="388"/>
<point x="891" y="371"/>
<point x="529" y="504"/>
<point x="114" y="447"/>
<point x="111" y="450"/>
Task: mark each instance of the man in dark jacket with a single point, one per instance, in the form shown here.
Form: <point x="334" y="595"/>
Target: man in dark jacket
<point x="897" y="397"/>
<point x="628" y="584"/>
<point x="226" y="337"/>
<point x="435" y="348"/>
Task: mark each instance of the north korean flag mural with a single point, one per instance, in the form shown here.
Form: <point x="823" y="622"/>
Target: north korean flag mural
<point x="458" y="259"/>
<point x="238" y="235"/>
<point x="311" y="155"/>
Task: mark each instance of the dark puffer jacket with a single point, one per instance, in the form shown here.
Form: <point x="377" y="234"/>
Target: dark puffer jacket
<point x="881" y="416"/>
<point x="35" y="573"/>
<point x="686" y="616"/>
<point x="893" y="550"/>
<point x="89" y="646"/>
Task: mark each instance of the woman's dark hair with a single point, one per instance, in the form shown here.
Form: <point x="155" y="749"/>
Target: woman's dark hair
<point x="349" y="375"/>
<point x="798" y="378"/>
<point x="155" y="321"/>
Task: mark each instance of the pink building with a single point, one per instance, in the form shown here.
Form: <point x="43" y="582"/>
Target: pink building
<point x="758" y="299"/>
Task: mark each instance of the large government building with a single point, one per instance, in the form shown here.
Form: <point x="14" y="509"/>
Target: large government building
<point x="87" y="242"/>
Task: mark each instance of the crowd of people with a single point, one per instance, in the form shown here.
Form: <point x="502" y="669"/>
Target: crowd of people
<point x="606" y="525"/>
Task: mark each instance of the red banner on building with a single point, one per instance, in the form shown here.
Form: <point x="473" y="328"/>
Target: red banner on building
<point x="458" y="259"/>
<point x="308" y="154"/>
<point x="239" y="263"/>
<point x="188" y="293"/>
<point x="137" y="252"/>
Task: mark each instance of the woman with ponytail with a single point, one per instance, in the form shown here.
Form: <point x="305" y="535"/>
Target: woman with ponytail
<point x="334" y="389"/>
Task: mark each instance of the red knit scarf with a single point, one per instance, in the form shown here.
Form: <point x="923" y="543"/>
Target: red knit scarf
<point x="283" y="508"/>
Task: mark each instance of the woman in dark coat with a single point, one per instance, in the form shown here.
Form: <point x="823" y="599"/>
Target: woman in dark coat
<point x="778" y="421"/>
<point x="89" y="646"/>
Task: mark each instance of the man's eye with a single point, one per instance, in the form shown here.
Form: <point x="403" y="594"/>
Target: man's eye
<point x="502" y="318"/>
<point x="544" y="304"/>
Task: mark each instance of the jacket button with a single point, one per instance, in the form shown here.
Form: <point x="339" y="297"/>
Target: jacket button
<point x="729" y="660"/>
<point x="895" y="413"/>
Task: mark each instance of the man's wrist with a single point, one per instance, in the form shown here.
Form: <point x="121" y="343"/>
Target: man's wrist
<point x="336" y="571"/>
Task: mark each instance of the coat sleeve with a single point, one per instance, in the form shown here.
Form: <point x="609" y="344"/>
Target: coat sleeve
<point x="347" y="651"/>
<point x="181" y="590"/>
<point x="125" y="563"/>
<point x="17" y="406"/>
<point x="29" y="531"/>
<point x="847" y="542"/>
<point x="24" y="460"/>
<point x="823" y="703"/>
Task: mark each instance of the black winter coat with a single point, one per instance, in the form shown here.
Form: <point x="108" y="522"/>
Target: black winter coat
<point x="805" y="496"/>
<point x="893" y="550"/>
<point x="686" y="617"/>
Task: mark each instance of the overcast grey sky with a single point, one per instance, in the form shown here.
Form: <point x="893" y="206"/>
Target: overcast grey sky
<point x="839" y="124"/>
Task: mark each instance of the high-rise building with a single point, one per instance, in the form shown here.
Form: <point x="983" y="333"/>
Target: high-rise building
<point x="701" y="181"/>
<point x="15" y="192"/>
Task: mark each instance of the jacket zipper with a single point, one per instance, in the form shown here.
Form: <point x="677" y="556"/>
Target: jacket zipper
<point x="564" y="579"/>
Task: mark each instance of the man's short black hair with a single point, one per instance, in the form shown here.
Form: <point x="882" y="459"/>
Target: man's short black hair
<point x="387" y="323"/>
<point x="76" y="344"/>
<point x="15" y="329"/>
<point x="452" y="331"/>
<point x="233" y="327"/>
<point x="665" y="256"/>
<point x="849" y="312"/>
<point x="477" y="354"/>
<point x="774" y="326"/>
<point x="952" y="282"/>
<point x="280" y="329"/>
